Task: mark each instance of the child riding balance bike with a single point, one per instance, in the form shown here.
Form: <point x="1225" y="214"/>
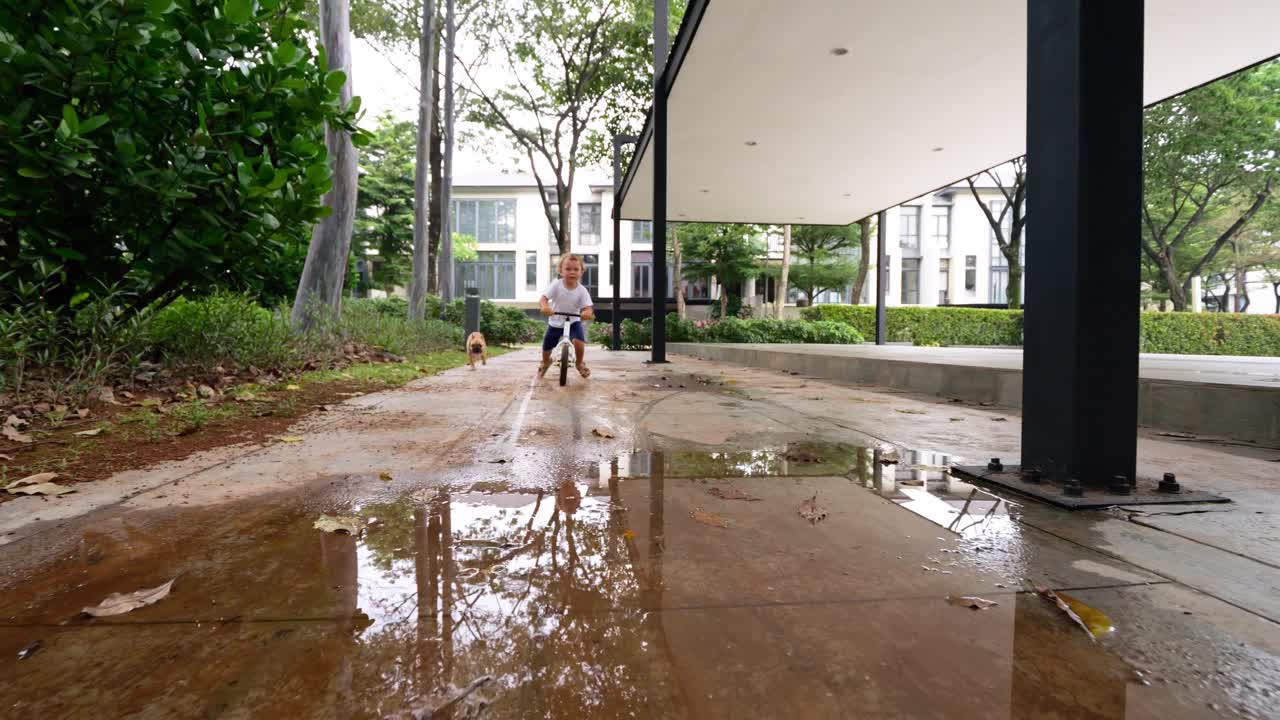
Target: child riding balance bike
<point x="564" y="301"/>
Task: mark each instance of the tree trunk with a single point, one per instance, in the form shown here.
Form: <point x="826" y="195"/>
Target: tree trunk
<point x="864" y="260"/>
<point x="780" y="296"/>
<point x="1242" y="285"/>
<point x="420" y="280"/>
<point x="1275" y="290"/>
<point x="320" y="287"/>
<point x="1178" y="292"/>
<point x="1013" y="293"/>
<point x="677" y="278"/>
<point x="724" y="301"/>
<point x="437" y="183"/>
<point x="447" y="290"/>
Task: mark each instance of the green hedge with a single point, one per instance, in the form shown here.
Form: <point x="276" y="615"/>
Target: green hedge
<point x="928" y="325"/>
<point x="1162" y="332"/>
<point x="636" y="335"/>
<point x="501" y="324"/>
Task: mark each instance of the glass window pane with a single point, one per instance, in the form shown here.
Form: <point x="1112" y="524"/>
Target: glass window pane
<point x="506" y="221"/>
<point x="641" y="232"/>
<point x="486" y="230"/>
<point x="531" y="270"/>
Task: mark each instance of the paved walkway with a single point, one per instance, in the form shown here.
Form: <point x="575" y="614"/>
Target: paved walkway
<point x="1237" y="398"/>
<point x="748" y="544"/>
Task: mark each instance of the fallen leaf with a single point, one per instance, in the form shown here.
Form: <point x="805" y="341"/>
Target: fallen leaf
<point x="498" y="461"/>
<point x="289" y="439"/>
<point x="83" y="413"/>
<point x="15" y="422"/>
<point x="125" y="394"/>
<point x="151" y="402"/>
<point x="913" y="412"/>
<point x="246" y="397"/>
<point x="813" y="512"/>
<point x="292" y="388"/>
<point x="970" y="601"/>
<point x="926" y="568"/>
<point x="602" y="432"/>
<point x="89" y="433"/>
<point x="384" y="476"/>
<point x="36" y="479"/>
<point x="731" y="493"/>
<point x="629" y="534"/>
<point x="31" y="649"/>
<point x="956" y="419"/>
<point x="41" y="489"/>
<point x="6" y="458"/>
<point x="711" y="519"/>
<point x="1091" y="620"/>
<point x="338" y="524"/>
<point x="998" y="419"/>
<point x="1182" y="435"/>
<point x="121" y="603"/>
<point x="205" y="391"/>
<point x="14" y="435"/>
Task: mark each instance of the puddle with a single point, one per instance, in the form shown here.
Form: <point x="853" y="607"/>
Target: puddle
<point x="584" y="590"/>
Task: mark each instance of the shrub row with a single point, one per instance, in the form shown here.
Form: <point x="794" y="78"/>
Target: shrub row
<point x="1161" y="332"/>
<point x="637" y="335"/>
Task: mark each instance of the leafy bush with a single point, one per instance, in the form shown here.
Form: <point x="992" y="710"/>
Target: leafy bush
<point x="223" y="327"/>
<point x="637" y="336"/>
<point x="1162" y="332"/>
<point x="373" y="322"/>
<point x="928" y="325"/>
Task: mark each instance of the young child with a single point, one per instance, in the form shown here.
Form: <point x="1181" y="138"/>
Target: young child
<point x="566" y="295"/>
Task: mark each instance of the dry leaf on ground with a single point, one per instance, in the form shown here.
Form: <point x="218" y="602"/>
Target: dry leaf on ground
<point x="602" y="432"/>
<point x="6" y="458"/>
<point x="289" y="439"/>
<point x="999" y="419"/>
<point x="292" y="388"/>
<point x="83" y="413"/>
<point x="813" y="512"/>
<point x="89" y="433"/>
<point x="31" y="649"/>
<point x="36" y="479"/>
<point x="15" y="422"/>
<point x="913" y="412"/>
<point x="11" y="434"/>
<point x="731" y="493"/>
<point x="384" y="475"/>
<point x="41" y="489"/>
<point x="711" y="519"/>
<point x="970" y="601"/>
<point x="121" y="603"/>
<point x="1092" y="621"/>
<point x="334" y="524"/>
<point x="246" y="397"/>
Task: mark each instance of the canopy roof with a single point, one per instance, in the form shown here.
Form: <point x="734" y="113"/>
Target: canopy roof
<point x="827" y="111"/>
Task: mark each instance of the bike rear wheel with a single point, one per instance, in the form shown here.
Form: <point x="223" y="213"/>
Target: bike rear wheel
<point x="564" y="365"/>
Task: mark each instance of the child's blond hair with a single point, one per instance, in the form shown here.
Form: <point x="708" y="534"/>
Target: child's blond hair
<point x="570" y="258"/>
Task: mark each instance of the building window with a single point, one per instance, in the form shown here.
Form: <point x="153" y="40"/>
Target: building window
<point x="944" y="281"/>
<point x="494" y="273"/>
<point x="531" y="270"/>
<point x="999" y="284"/>
<point x="698" y="289"/>
<point x="909" y="228"/>
<point x="488" y="221"/>
<point x="910" y="281"/>
<point x="642" y="274"/>
<point x="970" y="272"/>
<point x="941" y="228"/>
<point x="591" y="273"/>
<point x="641" y="232"/>
<point x="589" y="223"/>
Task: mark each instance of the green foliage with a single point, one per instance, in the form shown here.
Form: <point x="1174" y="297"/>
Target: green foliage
<point x="223" y="328"/>
<point x="384" y="221"/>
<point x="161" y="148"/>
<point x="822" y="258"/>
<point x="1210" y="160"/>
<point x="1211" y="334"/>
<point x="636" y="336"/>
<point x="928" y="325"/>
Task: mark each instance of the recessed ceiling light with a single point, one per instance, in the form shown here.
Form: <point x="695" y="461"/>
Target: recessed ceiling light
<point x="704" y="190"/>
<point x="839" y="51"/>
<point x="848" y="194"/>
<point x="751" y="143"/>
<point x="937" y="149"/>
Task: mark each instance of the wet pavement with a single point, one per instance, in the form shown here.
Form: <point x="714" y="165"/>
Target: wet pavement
<point x="667" y="572"/>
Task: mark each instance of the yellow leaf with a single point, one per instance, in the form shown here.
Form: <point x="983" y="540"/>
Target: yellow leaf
<point x="385" y="476"/>
<point x="629" y="534"/>
<point x="292" y="388"/>
<point x="120" y="603"/>
<point x="338" y="524"/>
<point x="289" y="439"/>
<point x="711" y="519"/>
<point x="41" y="489"/>
<point x="89" y="433"/>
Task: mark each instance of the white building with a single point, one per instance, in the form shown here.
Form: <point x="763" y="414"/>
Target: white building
<point x="954" y="260"/>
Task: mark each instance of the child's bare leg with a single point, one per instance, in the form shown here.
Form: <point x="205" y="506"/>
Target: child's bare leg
<point x="546" y="363"/>
<point x="579" y="350"/>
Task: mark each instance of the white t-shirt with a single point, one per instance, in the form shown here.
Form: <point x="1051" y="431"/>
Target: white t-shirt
<point x="562" y="299"/>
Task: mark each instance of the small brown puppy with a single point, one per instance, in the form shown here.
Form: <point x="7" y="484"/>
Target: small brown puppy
<point x="476" y="348"/>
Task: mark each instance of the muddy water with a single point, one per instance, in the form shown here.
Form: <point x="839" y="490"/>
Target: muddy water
<point x="677" y="584"/>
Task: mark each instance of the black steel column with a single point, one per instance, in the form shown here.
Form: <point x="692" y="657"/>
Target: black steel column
<point x="616" y="282"/>
<point x="882" y="275"/>
<point x="1084" y="150"/>
<point x="659" y="182"/>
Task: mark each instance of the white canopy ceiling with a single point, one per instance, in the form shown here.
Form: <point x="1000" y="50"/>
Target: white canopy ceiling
<point x="928" y="92"/>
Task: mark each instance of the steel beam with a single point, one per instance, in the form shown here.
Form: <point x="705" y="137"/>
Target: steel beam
<point x="882" y="276"/>
<point x="1084" y="193"/>
<point x="659" y="182"/>
<point x="616" y="280"/>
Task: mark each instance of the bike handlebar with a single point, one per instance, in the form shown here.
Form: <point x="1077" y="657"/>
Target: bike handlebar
<point x="567" y="314"/>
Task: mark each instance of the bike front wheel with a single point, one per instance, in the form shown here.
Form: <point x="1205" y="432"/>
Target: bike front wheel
<point x="564" y="365"/>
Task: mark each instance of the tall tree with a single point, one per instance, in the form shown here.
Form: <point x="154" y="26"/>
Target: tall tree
<point x="1008" y="227"/>
<point x="326" y="266"/>
<point x="729" y="253"/>
<point x="420" y="279"/>
<point x="780" y="297"/>
<point x="1210" y="165"/>
<point x="821" y="258"/>
<point x="677" y="274"/>
<point x="384" y="225"/>
<point x="566" y="58"/>
<point x="864" y="259"/>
